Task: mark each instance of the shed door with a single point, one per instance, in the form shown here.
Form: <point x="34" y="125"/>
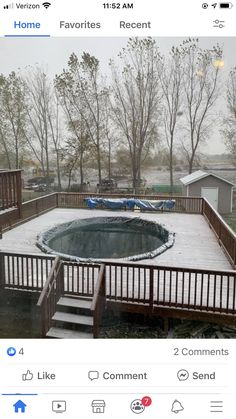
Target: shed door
<point x="211" y="194"/>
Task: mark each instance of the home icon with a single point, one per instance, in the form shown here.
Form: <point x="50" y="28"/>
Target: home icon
<point x="98" y="406"/>
<point x="19" y="406"/>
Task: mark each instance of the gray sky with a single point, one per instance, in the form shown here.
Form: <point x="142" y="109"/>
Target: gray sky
<point x="53" y="53"/>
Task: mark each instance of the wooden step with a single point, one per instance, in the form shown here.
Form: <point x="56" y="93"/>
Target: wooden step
<point x="73" y="318"/>
<point x="79" y="297"/>
<point x="59" y="333"/>
<point x="75" y="303"/>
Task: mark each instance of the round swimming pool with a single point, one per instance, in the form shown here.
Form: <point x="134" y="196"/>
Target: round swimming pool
<point x="100" y="238"/>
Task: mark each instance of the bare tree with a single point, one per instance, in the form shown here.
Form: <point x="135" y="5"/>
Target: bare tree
<point x="44" y="131"/>
<point x="171" y="74"/>
<point x="82" y="94"/>
<point x="54" y="115"/>
<point x="229" y="122"/>
<point x="109" y="133"/>
<point x="200" y="81"/>
<point x="71" y="156"/>
<point x="135" y="101"/>
<point x="38" y="133"/>
<point x="78" y="143"/>
<point x="12" y="118"/>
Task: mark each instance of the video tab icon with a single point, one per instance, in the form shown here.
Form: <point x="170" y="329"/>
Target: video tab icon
<point x="59" y="406"/>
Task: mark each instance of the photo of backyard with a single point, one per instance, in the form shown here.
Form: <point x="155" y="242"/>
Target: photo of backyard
<point x="118" y="188"/>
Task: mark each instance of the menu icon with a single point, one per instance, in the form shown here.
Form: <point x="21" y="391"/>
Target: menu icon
<point x="216" y="406"/>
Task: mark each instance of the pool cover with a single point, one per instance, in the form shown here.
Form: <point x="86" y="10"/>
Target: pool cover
<point x="100" y="238"/>
<point x="130" y="204"/>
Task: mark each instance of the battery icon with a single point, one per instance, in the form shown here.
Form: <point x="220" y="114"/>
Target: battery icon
<point x="226" y="5"/>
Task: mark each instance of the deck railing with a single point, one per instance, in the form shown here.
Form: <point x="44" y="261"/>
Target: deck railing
<point x="158" y="286"/>
<point x="139" y="287"/>
<point x="10" y="189"/>
<point x="225" y="235"/>
<point x="150" y="285"/>
<point x="39" y="205"/>
<point x="29" y="209"/>
<point x="99" y="301"/>
<point x="24" y="271"/>
<point x="191" y="205"/>
<point x="52" y="291"/>
<point x="80" y="279"/>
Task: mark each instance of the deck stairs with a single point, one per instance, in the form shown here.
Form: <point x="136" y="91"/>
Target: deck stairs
<point x="73" y="319"/>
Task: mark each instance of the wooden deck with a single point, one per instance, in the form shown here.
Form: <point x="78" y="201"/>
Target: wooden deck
<point x="195" y="243"/>
<point x="192" y="279"/>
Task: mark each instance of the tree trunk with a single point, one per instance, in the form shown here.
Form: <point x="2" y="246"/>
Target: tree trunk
<point x="58" y="171"/>
<point x="109" y="159"/>
<point x="171" y="170"/>
<point x="99" y="166"/>
<point x="81" y="169"/>
<point x="190" y="168"/>
<point x="69" y="180"/>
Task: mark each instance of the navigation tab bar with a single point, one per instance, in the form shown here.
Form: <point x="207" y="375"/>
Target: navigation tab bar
<point x="136" y="18"/>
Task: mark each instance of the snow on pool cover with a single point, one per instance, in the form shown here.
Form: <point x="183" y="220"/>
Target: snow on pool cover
<point x="98" y="238"/>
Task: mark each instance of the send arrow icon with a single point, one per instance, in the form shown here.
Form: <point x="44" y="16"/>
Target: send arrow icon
<point x="19" y="406"/>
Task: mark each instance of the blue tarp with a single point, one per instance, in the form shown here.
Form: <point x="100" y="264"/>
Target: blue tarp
<point x="130" y="204"/>
<point x="93" y="203"/>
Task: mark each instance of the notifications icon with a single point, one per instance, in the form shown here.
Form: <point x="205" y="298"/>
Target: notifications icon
<point x="93" y="375"/>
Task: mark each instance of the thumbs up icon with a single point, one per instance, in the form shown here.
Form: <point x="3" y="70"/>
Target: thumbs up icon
<point x="28" y="376"/>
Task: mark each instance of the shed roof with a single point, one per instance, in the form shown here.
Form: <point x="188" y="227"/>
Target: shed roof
<point x="198" y="175"/>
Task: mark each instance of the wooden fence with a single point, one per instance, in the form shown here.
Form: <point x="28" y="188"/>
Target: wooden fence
<point x="24" y="271"/>
<point x="225" y="235"/>
<point x="158" y="286"/>
<point x="29" y="209"/>
<point x="53" y="289"/>
<point x="72" y="279"/>
<point x="192" y="205"/>
<point x="80" y="279"/>
<point x="99" y="300"/>
<point x="149" y="285"/>
<point x="10" y="189"/>
<point x="38" y="206"/>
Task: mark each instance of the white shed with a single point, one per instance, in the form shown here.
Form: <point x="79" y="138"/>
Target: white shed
<point x="218" y="191"/>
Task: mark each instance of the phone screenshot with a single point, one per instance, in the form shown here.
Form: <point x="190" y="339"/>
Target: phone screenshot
<point x="117" y="209"/>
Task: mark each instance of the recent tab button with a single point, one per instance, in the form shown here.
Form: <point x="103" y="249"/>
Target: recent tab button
<point x="135" y="25"/>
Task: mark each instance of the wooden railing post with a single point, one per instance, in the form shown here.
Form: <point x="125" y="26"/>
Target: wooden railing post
<point x="61" y="284"/>
<point x="2" y="270"/>
<point x="151" y="286"/>
<point x="50" y="294"/>
<point x="234" y="267"/>
<point x="57" y="200"/>
<point x="98" y="302"/>
<point x="202" y="206"/>
<point x="19" y="193"/>
<point x="43" y="318"/>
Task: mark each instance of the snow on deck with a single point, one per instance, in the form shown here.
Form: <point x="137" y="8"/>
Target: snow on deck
<point x="195" y="244"/>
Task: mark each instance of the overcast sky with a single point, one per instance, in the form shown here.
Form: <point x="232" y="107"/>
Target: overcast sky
<point x="53" y="53"/>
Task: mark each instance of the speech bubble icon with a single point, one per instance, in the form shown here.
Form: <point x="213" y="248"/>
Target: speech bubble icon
<point x="93" y="375"/>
